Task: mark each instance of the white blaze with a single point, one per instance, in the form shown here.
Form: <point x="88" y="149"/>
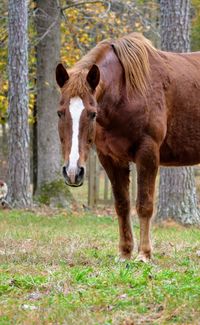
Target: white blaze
<point x="75" y="107"/>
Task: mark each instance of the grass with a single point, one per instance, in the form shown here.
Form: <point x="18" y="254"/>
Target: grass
<point x="61" y="269"/>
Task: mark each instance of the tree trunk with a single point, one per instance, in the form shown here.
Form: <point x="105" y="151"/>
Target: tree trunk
<point x="177" y="192"/>
<point x="48" y="54"/>
<point x="175" y="25"/>
<point x="18" y="161"/>
<point x="34" y="146"/>
<point x="177" y="199"/>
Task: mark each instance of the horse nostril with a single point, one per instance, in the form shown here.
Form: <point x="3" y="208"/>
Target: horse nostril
<point x="64" y="171"/>
<point x="80" y="172"/>
<point x="79" y="175"/>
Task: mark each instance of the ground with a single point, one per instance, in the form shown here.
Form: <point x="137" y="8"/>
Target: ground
<point x="61" y="268"/>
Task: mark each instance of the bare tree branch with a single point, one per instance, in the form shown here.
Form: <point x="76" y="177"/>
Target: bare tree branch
<point x="48" y="30"/>
<point x="86" y="2"/>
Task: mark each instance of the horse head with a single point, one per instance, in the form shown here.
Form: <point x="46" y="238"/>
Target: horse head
<point x="77" y="115"/>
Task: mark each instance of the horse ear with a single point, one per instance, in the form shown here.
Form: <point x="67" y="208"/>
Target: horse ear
<point x="61" y="75"/>
<point x="93" y="76"/>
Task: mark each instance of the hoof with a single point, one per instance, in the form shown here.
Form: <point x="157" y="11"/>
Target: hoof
<point x="122" y="259"/>
<point x="142" y="258"/>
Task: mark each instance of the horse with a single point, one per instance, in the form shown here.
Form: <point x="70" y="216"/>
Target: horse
<point x="135" y="103"/>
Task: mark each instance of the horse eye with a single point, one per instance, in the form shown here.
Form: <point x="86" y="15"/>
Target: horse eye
<point x="60" y="114"/>
<point x="93" y="115"/>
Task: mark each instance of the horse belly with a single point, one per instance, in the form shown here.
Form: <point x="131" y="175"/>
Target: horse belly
<point x="182" y="142"/>
<point x="181" y="146"/>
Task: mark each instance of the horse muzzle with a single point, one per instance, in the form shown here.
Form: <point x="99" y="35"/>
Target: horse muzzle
<point x="74" y="176"/>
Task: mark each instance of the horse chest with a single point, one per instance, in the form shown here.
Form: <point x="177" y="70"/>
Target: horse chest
<point x="113" y="145"/>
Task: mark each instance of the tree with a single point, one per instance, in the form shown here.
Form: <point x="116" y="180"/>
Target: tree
<point x="48" y="54"/>
<point x="18" y="161"/>
<point x="177" y="197"/>
<point x="195" y="28"/>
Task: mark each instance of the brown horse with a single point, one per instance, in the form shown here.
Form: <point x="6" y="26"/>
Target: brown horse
<point x="137" y="104"/>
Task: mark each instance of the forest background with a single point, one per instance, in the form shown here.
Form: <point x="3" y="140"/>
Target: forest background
<point x="60" y="267"/>
<point x="65" y="31"/>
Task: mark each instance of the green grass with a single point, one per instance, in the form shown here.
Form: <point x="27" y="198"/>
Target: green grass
<point x="62" y="269"/>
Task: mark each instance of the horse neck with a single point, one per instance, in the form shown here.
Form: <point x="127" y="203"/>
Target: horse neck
<point x="112" y="79"/>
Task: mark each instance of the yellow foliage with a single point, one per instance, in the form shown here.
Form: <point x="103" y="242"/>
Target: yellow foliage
<point x="86" y="25"/>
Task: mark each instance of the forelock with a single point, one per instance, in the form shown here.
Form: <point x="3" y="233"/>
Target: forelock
<point x="76" y="86"/>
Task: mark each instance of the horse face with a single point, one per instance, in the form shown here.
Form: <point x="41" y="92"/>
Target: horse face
<point x="76" y="125"/>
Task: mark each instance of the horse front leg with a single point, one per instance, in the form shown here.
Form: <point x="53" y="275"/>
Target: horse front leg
<point x="147" y="166"/>
<point x="119" y="178"/>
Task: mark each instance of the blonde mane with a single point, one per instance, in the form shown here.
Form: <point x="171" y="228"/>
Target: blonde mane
<point x="132" y="52"/>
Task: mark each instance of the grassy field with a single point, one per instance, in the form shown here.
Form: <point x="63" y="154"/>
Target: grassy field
<point x="57" y="268"/>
